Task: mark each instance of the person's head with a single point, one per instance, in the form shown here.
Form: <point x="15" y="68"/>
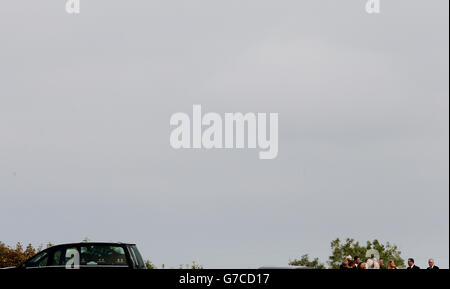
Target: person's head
<point x="391" y="264"/>
<point x="375" y="264"/>
<point x="381" y="262"/>
<point x="363" y="266"/>
<point x="431" y="262"/>
<point x="349" y="258"/>
<point x="410" y="262"/>
<point x="345" y="263"/>
<point x="352" y="264"/>
<point x="357" y="260"/>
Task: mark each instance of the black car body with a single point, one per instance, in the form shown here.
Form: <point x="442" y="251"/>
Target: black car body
<point x="87" y="255"/>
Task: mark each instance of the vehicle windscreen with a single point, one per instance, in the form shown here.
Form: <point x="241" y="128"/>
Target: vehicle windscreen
<point x="102" y="255"/>
<point x="137" y="258"/>
<point x="40" y="260"/>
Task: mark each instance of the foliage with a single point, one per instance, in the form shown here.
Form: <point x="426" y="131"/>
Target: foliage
<point x="304" y="261"/>
<point x="350" y="247"/>
<point x="196" y="266"/>
<point x="340" y="251"/>
<point x="14" y="256"/>
<point x="150" y="265"/>
<point x="192" y="266"/>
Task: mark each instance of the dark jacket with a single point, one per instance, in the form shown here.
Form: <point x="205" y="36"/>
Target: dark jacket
<point x="414" y="267"/>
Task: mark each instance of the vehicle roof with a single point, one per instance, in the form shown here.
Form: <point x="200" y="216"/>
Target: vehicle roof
<point x="92" y="243"/>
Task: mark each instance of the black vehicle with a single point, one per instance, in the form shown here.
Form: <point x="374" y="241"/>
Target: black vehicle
<point x="87" y="255"/>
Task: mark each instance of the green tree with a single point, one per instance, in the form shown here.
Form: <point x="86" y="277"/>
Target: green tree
<point x="304" y="261"/>
<point x="194" y="265"/>
<point x="150" y="265"/>
<point x="387" y="252"/>
<point x="339" y="251"/>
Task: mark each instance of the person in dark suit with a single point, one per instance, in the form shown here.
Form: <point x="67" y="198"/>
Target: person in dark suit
<point x="431" y="265"/>
<point x="411" y="265"/>
<point x="357" y="261"/>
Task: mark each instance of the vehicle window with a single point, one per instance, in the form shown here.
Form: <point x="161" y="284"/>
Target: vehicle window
<point x="137" y="258"/>
<point x="40" y="260"/>
<point x="102" y="255"/>
<point x="61" y="256"/>
<point x="56" y="260"/>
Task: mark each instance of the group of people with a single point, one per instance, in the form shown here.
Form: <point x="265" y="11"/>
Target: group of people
<point x="372" y="263"/>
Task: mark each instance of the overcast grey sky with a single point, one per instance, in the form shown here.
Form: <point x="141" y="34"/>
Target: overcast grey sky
<point x="85" y="103"/>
